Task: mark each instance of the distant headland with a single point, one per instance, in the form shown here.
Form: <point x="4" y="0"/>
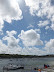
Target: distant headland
<point x="23" y="56"/>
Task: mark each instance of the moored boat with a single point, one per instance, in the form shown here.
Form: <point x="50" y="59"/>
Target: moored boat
<point x="12" y="67"/>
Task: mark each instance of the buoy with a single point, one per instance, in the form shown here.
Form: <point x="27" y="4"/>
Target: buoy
<point x="39" y="70"/>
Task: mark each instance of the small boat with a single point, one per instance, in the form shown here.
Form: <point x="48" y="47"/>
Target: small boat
<point x="12" y="67"/>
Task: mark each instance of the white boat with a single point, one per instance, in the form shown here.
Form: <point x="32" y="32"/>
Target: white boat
<point x="12" y="67"/>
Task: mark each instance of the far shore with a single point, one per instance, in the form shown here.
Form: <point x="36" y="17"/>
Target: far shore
<point x="24" y="56"/>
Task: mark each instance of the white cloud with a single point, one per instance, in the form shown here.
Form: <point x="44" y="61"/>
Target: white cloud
<point x="32" y="51"/>
<point x="30" y="26"/>
<point x="13" y="47"/>
<point x="30" y="38"/>
<point x="11" y="33"/>
<point x="49" y="46"/>
<point x="45" y="41"/>
<point x="38" y="30"/>
<point x="47" y="27"/>
<point x="52" y="26"/>
<point x="3" y="47"/>
<point x="12" y="43"/>
<point x="15" y="50"/>
<point x="43" y="23"/>
<point x="41" y="8"/>
<point x="9" y="10"/>
<point x="1" y="24"/>
<point x="11" y="40"/>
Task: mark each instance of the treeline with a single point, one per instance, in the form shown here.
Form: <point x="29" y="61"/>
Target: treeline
<point x="16" y="56"/>
<point x="23" y="56"/>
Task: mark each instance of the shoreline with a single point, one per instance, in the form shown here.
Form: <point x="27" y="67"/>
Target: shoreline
<point x="24" y="56"/>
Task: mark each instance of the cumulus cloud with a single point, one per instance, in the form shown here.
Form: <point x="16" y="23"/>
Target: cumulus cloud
<point x="38" y="30"/>
<point x="11" y="40"/>
<point x="9" y="10"/>
<point x="49" y="46"/>
<point x="52" y="26"/>
<point x="15" y="50"/>
<point x="1" y="24"/>
<point x="30" y="26"/>
<point x="11" y="33"/>
<point x="32" y="51"/>
<point x="12" y="46"/>
<point x="43" y="23"/>
<point x="41" y="8"/>
<point x="47" y="27"/>
<point x="30" y="38"/>
<point x="3" y="48"/>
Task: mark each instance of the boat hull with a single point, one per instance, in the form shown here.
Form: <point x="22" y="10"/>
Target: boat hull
<point x="13" y="68"/>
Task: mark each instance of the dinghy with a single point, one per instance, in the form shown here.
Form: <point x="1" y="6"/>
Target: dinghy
<point x="12" y="67"/>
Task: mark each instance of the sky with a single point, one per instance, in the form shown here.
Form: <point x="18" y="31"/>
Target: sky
<point x="27" y="27"/>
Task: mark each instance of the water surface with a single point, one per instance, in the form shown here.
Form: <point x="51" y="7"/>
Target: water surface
<point x="28" y="63"/>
